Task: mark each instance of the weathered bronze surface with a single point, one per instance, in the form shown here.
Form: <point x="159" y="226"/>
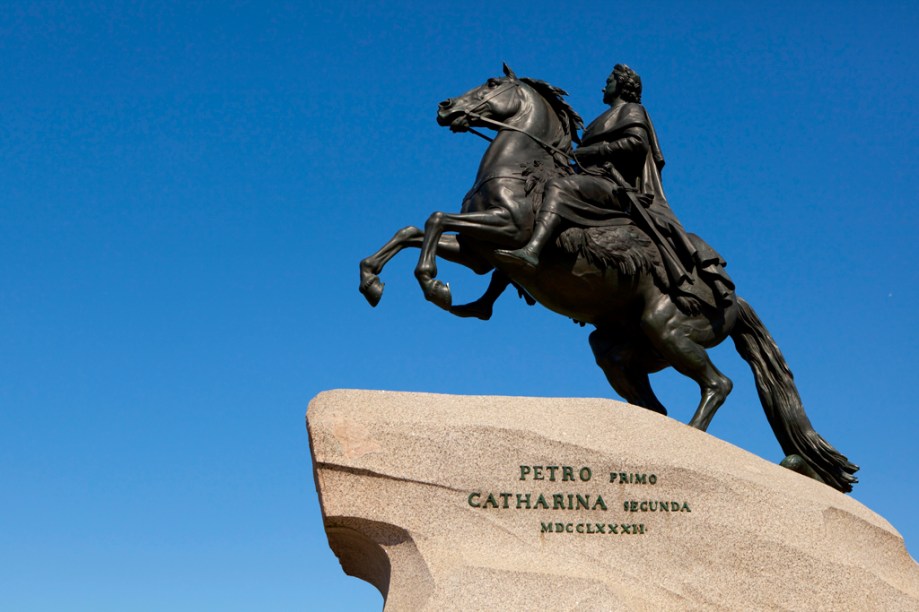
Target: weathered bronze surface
<point x="589" y="234"/>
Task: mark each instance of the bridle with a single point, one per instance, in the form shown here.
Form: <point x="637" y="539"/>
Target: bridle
<point x="500" y="125"/>
<point x="510" y="83"/>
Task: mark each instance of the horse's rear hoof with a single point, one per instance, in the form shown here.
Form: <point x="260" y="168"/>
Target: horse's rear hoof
<point x="796" y="463"/>
<point x="372" y="290"/>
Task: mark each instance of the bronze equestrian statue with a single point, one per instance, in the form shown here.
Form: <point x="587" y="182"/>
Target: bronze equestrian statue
<point x="595" y="240"/>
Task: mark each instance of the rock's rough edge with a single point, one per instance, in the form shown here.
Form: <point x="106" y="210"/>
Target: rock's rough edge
<point x="393" y="471"/>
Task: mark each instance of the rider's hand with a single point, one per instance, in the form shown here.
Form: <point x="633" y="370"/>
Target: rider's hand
<point x="585" y="153"/>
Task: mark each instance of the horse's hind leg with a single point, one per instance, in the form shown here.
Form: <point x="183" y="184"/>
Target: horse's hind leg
<point x="671" y="333"/>
<point x="619" y="362"/>
<point x="482" y="307"/>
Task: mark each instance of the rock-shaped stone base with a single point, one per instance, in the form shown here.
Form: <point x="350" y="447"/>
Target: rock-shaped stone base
<point x="472" y="503"/>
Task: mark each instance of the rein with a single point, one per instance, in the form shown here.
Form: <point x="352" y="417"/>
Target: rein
<point x="500" y="125"/>
<point x="505" y="126"/>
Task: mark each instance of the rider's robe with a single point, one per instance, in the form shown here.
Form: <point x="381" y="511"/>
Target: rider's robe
<point x="625" y="144"/>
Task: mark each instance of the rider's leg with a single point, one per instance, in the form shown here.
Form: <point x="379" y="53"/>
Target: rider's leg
<point x="547" y="221"/>
<point x="586" y="193"/>
<point x="546" y="224"/>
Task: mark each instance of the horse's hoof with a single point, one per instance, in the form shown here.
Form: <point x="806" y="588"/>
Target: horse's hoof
<point x="372" y="290"/>
<point x="796" y="463"/>
<point x="439" y="294"/>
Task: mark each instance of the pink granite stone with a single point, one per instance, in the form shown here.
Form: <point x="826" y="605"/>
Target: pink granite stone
<point x="463" y="502"/>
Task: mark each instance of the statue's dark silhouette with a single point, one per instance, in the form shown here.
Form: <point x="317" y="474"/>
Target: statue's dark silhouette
<point x="596" y="240"/>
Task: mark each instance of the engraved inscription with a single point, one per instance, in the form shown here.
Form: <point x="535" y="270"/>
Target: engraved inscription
<point x="582" y="501"/>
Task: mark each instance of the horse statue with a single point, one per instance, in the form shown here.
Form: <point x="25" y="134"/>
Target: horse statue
<point x="607" y="277"/>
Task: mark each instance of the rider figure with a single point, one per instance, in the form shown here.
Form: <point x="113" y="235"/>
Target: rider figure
<point x="619" y="164"/>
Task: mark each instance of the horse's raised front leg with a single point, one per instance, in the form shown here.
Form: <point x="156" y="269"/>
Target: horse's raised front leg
<point x="371" y="286"/>
<point x="495" y="225"/>
<point x="411" y="237"/>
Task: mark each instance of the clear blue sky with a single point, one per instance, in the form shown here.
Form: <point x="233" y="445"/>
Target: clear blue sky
<point x="186" y="192"/>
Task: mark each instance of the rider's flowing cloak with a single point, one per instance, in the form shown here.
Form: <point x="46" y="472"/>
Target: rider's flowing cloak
<point x="593" y="198"/>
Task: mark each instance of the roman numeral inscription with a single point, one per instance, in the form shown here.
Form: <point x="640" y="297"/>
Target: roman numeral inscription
<point x="615" y="505"/>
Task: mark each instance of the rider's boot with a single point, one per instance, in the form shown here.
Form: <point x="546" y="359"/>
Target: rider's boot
<point x="529" y="254"/>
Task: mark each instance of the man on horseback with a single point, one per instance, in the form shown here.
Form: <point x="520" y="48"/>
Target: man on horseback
<point x="617" y="181"/>
<point x="663" y="309"/>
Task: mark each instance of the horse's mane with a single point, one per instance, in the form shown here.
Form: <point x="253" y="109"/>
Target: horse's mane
<point x="571" y="121"/>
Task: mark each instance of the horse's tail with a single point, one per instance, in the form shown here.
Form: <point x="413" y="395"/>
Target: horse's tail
<point x="779" y="396"/>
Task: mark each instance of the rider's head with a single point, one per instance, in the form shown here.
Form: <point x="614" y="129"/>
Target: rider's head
<point x="629" y="83"/>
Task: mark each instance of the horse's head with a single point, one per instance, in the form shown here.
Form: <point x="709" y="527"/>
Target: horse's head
<point x="506" y="98"/>
<point x="498" y="98"/>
